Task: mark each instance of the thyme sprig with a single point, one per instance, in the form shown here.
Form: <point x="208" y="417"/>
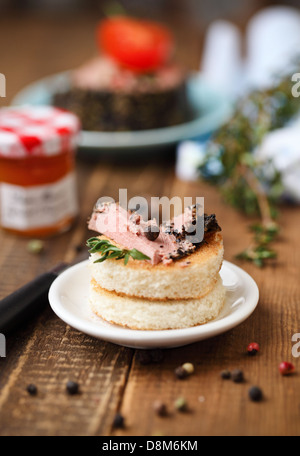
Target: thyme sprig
<point x="109" y="251"/>
<point x="231" y="165"/>
<point x="260" y="250"/>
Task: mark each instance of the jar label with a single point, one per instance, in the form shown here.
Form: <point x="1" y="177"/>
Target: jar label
<point x="38" y="206"/>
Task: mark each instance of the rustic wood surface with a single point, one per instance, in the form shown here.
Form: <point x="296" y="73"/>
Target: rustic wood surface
<point x="48" y="353"/>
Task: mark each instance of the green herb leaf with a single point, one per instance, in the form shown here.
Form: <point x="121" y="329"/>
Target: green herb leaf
<point x="136" y="255"/>
<point x="110" y="251"/>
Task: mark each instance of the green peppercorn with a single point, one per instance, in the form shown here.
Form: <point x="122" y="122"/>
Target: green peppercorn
<point x="180" y="404"/>
<point x="189" y="368"/>
<point x="35" y="246"/>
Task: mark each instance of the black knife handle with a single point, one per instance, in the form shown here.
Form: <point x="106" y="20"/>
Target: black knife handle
<point x="24" y="302"/>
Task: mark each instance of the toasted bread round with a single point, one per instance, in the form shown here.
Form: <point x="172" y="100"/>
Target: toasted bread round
<point x="191" y="277"/>
<point x="142" y="314"/>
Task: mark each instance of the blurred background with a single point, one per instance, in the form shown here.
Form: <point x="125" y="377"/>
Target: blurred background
<point x="35" y="35"/>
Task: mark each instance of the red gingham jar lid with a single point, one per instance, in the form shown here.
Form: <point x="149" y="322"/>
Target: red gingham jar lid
<point x="37" y="131"/>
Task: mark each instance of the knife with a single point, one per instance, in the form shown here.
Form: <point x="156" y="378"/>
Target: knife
<point x="28" y="300"/>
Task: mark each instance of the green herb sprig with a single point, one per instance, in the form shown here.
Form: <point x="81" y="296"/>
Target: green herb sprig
<point x="230" y="163"/>
<point x="260" y="250"/>
<point x="109" y="251"/>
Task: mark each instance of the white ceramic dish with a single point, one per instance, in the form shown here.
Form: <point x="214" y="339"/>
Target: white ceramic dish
<point x="211" y="108"/>
<point x="68" y="297"/>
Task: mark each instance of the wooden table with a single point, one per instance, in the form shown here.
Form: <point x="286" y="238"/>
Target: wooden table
<point x="48" y="353"/>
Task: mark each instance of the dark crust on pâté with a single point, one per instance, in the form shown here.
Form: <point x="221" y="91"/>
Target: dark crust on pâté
<point x="185" y="247"/>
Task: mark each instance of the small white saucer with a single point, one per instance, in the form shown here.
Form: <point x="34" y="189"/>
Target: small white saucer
<point x="68" y="297"/>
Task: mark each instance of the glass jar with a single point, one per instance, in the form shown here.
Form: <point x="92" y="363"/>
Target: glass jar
<point x="37" y="180"/>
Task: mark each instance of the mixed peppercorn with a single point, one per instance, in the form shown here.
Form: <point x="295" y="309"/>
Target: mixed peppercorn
<point x="160" y="408"/>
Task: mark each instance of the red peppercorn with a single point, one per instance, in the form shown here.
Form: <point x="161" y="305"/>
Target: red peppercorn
<point x="286" y="368"/>
<point x="253" y="349"/>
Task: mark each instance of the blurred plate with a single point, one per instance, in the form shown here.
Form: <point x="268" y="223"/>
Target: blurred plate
<point x="69" y="299"/>
<point x="211" y="108"/>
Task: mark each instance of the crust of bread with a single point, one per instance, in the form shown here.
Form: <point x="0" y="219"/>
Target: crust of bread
<point x="211" y="247"/>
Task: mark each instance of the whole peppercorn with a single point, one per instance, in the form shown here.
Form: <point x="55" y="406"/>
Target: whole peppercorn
<point x="255" y="394"/>
<point x="237" y="376"/>
<point x="253" y="349"/>
<point x="180" y="404"/>
<point x="160" y="408"/>
<point x="35" y="246"/>
<point x="150" y="234"/>
<point x="118" y="421"/>
<point x="32" y="390"/>
<point x="78" y="248"/>
<point x="225" y="375"/>
<point x="286" y="368"/>
<point x="181" y="373"/>
<point x="189" y="367"/>
<point x="72" y="387"/>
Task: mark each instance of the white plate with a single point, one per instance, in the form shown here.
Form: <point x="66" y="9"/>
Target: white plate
<point x="68" y="297"/>
<point x="211" y="108"/>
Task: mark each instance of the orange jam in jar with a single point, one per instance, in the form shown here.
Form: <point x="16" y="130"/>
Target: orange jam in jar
<point x="37" y="179"/>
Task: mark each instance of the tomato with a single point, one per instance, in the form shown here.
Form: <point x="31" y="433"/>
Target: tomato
<point x="139" y="45"/>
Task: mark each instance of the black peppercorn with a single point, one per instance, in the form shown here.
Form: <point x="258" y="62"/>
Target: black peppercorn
<point x="225" y="375"/>
<point x="150" y="234"/>
<point x="255" y="394"/>
<point x="237" y="376"/>
<point x="160" y="408"/>
<point x="118" y="421"/>
<point x="181" y="373"/>
<point x="78" y="248"/>
<point x="32" y="389"/>
<point x="72" y="387"/>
